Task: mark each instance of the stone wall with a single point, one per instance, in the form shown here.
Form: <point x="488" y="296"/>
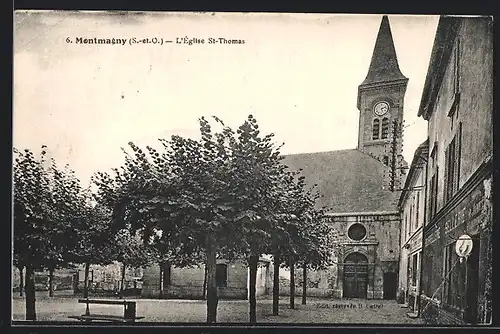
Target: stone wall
<point x="320" y="283"/>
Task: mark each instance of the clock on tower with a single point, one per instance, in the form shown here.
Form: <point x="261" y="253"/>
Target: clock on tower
<point x="381" y="108"/>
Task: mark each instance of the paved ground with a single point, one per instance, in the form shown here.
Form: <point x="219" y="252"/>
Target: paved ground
<point x="316" y="311"/>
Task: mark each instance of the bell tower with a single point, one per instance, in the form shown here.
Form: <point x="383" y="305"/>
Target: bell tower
<point x="381" y="97"/>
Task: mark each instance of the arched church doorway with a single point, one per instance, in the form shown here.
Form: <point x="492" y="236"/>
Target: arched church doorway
<point x="355" y="278"/>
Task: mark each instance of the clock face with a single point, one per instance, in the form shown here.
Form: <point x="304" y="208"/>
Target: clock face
<point x="381" y="108"/>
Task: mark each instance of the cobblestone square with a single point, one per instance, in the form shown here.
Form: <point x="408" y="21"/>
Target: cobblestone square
<point x="317" y="310"/>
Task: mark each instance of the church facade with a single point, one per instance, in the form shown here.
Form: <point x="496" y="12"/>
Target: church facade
<point x="354" y="185"/>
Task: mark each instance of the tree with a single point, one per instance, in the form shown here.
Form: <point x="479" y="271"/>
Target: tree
<point x="91" y="239"/>
<point x="257" y="175"/>
<point x="203" y="177"/>
<point x="302" y="236"/>
<point x="32" y="217"/>
<point x="66" y="202"/>
<point x="272" y="205"/>
<point x="170" y="193"/>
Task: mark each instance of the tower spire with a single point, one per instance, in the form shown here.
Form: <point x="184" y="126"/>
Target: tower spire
<point x="384" y="64"/>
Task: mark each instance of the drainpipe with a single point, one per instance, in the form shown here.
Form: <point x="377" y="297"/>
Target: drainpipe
<point x="423" y="240"/>
<point x="400" y="250"/>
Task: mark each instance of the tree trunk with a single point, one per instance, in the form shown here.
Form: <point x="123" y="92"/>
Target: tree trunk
<point x="122" y="282"/>
<point x="276" y="283"/>
<point x="304" y="284"/>
<point x="292" y="282"/>
<point x="86" y="281"/>
<point x="51" y="282"/>
<point x="30" y="294"/>
<point x="161" y="281"/>
<point x="204" y="297"/>
<point x="21" y="281"/>
<point x="252" y="264"/>
<point x="75" y="283"/>
<point x="212" y="297"/>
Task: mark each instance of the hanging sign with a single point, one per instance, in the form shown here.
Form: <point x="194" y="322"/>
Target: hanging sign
<point x="463" y="246"/>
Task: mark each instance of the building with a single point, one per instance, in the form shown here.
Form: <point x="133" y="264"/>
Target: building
<point x="457" y="102"/>
<point x="412" y="208"/>
<point x="353" y="185"/>
<point x="190" y="283"/>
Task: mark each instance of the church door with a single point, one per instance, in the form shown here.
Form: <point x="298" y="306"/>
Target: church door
<point x="390" y="285"/>
<point x="355" y="276"/>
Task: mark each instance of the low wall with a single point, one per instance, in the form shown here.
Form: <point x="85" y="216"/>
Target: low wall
<point x="311" y="292"/>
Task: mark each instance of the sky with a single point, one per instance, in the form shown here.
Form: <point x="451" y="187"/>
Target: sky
<point x="297" y="74"/>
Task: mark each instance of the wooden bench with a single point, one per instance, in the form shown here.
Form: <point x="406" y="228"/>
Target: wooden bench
<point x="129" y="314"/>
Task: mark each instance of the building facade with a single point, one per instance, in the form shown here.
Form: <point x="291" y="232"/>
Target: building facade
<point x="412" y="208"/>
<point x="457" y="102"/>
<point x="368" y="257"/>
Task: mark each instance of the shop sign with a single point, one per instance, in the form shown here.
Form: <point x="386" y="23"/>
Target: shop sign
<point x="463" y="247"/>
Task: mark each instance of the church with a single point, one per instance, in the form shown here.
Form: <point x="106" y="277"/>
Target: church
<point x="354" y="188"/>
<point x="354" y="185"/>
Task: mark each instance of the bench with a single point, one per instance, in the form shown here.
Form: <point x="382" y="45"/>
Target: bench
<point x="129" y="314"/>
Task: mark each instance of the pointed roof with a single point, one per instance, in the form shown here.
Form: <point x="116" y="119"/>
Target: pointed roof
<point x="384" y="65"/>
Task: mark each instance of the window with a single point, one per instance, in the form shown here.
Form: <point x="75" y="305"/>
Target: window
<point x="167" y="275"/>
<point x="356" y="232"/>
<point x="414" y="270"/>
<point x="376" y="128"/>
<point x="385" y="127"/>
<point x="221" y="275"/>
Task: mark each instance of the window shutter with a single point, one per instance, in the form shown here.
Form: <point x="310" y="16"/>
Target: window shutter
<point x="458" y="149"/>
<point x="417" y="209"/>
<point x="447" y="174"/>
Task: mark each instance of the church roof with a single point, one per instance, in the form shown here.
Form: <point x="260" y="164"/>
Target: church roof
<point x="349" y="180"/>
<point x="384" y="64"/>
